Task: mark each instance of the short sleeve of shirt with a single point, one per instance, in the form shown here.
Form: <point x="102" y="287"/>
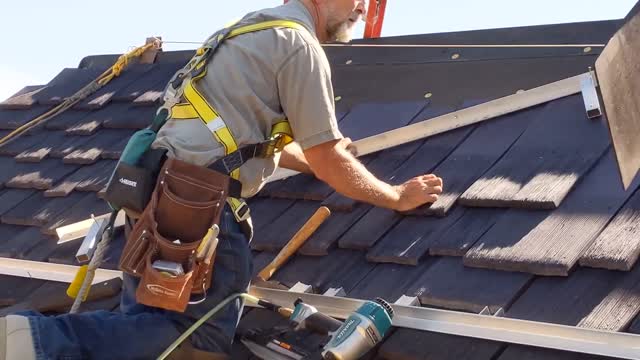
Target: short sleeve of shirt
<point x="306" y="96"/>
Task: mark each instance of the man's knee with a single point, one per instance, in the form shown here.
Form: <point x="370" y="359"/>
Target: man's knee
<point x="16" y="341"/>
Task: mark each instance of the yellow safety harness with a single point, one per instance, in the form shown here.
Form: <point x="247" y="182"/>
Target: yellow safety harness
<point x="183" y="101"/>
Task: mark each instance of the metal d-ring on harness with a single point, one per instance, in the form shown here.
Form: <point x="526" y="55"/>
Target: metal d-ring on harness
<point x="183" y="101"/>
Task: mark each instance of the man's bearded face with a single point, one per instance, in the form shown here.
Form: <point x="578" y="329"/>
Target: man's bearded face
<point x="342" y="18"/>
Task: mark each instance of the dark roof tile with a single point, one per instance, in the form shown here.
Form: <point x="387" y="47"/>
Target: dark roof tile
<point x="114" y="149"/>
<point x="551" y="242"/>
<point x="85" y="179"/>
<point x="449" y="284"/>
<point x="389" y="281"/>
<point x="66" y="83"/>
<point x="282" y="229"/>
<point x="475" y="155"/>
<point x="409" y="240"/>
<point x="264" y="212"/>
<point x="13" y="119"/>
<point x="325" y="237"/>
<point x="23" y="99"/>
<point x="66" y="119"/>
<point x="543" y="166"/>
<point x="9" y="198"/>
<point x="408" y="344"/>
<point x="20" y="144"/>
<point x="518" y="352"/>
<point x="461" y="236"/>
<point x="9" y="239"/>
<point x="13" y="289"/>
<point x="599" y="299"/>
<point x="130" y="117"/>
<point x="21" y="240"/>
<point x="103" y="96"/>
<point x="365" y="120"/>
<point x="42" y="176"/>
<point x="90" y="204"/>
<point x="152" y="81"/>
<point x="341" y="268"/>
<point x="618" y="246"/>
<point x="37" y="210"/>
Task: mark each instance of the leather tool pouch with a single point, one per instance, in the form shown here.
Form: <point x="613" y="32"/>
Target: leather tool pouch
<point x="186" y="203"/>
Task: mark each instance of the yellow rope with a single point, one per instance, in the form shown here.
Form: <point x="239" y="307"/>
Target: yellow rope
<point x="115" y="70"/>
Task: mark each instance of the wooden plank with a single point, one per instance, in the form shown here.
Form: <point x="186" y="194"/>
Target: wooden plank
<point x="547" y="160"/>
<point x="618" y="246"/>
<point x="451" y="285"/>
<point x="79" y="229"/>
<point x="409" y="240"/>
<point x="409" y="344"/>
<point x="600" y="299"/>
<point x="617" y="69"/>
<point x="464" y="117"/>
<point x="462" y="235"/>
<point x="549" y="242"/>
<point x="48" y="271"/>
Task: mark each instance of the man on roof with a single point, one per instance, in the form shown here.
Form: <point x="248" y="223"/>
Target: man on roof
<point x="254" y="81"/>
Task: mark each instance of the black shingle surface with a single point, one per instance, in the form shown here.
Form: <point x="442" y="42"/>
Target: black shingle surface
<point x="50" y="177"/>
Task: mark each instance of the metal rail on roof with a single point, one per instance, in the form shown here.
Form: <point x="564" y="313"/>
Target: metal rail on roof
<point x="531" y="333"/>
<point x="538" y="334"/>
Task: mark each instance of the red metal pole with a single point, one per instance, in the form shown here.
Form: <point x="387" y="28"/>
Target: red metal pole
<point x="375" y="18"/>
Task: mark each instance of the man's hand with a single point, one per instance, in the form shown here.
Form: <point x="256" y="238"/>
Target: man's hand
<point x="334" y="163"/>
<point x="418" y="191"/>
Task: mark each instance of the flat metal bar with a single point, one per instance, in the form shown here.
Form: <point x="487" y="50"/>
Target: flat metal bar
<point x="531" y="333"/>
<point x="482" y="46"/>
<point x="465" y="117"/>
<point x="49" y="271"/>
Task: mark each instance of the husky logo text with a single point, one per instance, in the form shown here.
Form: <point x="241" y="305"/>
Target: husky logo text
<point x="128" y="182"/>
<point x="161" y="290"/>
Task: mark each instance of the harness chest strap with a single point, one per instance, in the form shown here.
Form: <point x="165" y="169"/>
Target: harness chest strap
<point x="195" y="106"/>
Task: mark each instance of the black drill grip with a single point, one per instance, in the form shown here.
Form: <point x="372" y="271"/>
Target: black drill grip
<point x="321" y="324"/>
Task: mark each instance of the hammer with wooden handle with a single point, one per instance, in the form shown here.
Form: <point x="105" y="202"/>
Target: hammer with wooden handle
<point x="295" y="243"/>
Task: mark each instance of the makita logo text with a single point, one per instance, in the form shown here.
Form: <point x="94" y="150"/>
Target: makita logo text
<point x="128" y="182"/>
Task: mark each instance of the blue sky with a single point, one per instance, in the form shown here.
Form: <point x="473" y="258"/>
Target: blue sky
<point x="40" y="38"/>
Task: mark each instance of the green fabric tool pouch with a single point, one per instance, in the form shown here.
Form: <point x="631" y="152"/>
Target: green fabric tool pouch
<point x="134" y="177"/>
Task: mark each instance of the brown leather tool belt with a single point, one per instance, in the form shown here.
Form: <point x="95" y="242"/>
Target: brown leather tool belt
<point x="172" y="246"/>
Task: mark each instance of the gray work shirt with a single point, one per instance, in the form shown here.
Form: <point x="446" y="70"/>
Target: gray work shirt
<point x="253" y="81"/>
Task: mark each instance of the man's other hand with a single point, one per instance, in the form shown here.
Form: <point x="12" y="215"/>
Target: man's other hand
<point x="418" y="191"/>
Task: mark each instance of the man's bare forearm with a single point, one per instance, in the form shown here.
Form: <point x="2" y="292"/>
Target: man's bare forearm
<point x="348" y="176"/>
<point x="293" y="158"/>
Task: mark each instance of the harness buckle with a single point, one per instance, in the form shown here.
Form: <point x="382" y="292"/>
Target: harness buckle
<point x="242" y="212"/>
<point x="276" y="143"/>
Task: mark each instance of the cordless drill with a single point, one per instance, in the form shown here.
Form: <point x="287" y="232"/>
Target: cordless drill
<point x="348" y="340"/>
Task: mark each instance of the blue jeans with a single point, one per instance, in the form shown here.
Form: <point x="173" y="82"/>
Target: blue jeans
<point x="142" y="332"/>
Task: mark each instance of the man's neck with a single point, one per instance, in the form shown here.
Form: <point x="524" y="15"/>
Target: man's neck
<point x="319" y="19"/>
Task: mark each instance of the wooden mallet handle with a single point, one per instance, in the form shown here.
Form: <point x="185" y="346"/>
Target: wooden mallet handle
<point x="296" y="242"/>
